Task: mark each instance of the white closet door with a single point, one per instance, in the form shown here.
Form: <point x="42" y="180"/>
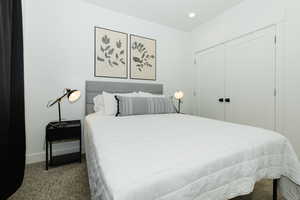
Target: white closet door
<point x="210" y="83"/>
<point x="250" y="79"/>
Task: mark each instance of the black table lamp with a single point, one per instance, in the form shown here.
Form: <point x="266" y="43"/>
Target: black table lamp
<point x="178" y="96"/>
<point x="72" y="95"/>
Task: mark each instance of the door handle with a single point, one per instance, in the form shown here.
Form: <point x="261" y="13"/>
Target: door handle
<point x="227" y="100"/>
<point x="221" y="100"/>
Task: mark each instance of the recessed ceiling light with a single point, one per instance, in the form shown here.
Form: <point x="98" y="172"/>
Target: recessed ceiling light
<point x="192" y="15"/>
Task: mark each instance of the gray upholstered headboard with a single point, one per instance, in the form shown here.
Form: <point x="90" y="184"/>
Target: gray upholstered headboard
<point x="93" y="88"/>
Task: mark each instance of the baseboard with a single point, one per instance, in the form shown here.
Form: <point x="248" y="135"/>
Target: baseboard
<point x="40" y="157"/>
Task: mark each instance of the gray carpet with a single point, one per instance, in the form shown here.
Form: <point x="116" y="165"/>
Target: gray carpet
<point x="70" y="182"/>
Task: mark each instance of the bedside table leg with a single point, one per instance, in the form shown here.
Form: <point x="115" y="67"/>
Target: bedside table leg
<point x="46" y="155"/>
<point x="51" y="160"/>
<point x="80" y="150"/>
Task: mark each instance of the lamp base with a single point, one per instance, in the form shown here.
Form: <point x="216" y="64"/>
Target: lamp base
<point x="58" y="124"/>
<point x="179" y="102"/>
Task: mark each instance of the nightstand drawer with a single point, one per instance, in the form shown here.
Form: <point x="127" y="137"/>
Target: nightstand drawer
<point x="67" y="130"/>
<point x="64" y="134"/>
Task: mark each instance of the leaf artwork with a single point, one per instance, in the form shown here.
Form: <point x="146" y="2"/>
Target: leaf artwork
<point x="106" y="55"/>
<point x="107" y="48"/>
<point x="122" y="61"/>
<point x="112" y="52"/>
<point x="100" y="59"/>
<point x="109" y="62"/>
<point x="105" y="39"/>
<point x="138" y="60"/>
<point x="119" y="44"/>
<point x="143" y="56"/>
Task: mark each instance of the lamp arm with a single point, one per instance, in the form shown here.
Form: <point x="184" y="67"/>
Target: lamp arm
<point x="59" y="99"/>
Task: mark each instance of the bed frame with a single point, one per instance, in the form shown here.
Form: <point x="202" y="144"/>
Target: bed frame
<point x="93" y="88"/>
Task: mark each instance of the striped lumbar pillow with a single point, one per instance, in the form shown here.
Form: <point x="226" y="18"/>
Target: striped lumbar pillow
<point x="143" y="105"/>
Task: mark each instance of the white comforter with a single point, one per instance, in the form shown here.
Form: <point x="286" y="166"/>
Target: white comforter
<point x="181" y="157"/>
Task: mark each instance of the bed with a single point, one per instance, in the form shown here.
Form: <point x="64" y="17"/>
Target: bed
<point x="180" y="157"/>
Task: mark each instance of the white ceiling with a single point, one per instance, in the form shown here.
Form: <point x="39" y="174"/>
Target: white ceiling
<point x="173" y="13"/>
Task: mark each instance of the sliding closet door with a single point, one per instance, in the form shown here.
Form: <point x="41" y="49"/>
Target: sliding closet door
<point x="210" y="83"/>
<point x="250" y="79"/>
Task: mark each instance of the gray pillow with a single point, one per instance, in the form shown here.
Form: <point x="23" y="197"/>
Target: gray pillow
<point x="144" y="105"/>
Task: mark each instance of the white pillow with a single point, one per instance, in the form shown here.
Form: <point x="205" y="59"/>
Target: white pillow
<point x="99" y="103"/>
<point x="144" y="94"/>
<point x="148" y="94"/>
<point x="110" y="102"/>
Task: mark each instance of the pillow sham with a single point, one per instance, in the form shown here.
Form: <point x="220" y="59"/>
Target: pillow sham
<point x="98" y="103"/>
<point x="110" y="103"/>
<point x="148" y="94"/>
<point x="143" y="105"/>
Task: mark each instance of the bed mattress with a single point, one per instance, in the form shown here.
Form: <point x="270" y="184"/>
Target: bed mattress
<point x="181" y="157"/>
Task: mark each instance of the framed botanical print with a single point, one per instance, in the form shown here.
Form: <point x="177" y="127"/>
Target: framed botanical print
<point x="111" y="53"/>
<point x="142" y="58"/>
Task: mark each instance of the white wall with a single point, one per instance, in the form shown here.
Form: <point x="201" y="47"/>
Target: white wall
<point x="246" y="17"/>
<point x="292" y="74"/>
<point x="252" y="15"/>
<point x="59" y="53"/>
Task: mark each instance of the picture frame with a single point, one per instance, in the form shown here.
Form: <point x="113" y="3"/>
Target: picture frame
<point x="110" y="53"/>
<point x="142" y="58"/>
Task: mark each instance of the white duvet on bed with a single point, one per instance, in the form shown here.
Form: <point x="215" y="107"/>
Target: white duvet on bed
<point x="181" y="157"/>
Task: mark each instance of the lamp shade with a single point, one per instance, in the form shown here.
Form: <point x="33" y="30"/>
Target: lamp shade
<point x="73" y="96"/>
<point x="178" y="95"/>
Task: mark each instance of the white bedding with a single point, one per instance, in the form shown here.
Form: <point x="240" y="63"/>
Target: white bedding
<point x="181" y="157"/>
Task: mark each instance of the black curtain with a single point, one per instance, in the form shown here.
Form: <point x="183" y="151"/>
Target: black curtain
<point x="12" y="115"/>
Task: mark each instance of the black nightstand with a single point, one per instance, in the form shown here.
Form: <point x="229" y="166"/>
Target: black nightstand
<point x="68" y="130"/>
